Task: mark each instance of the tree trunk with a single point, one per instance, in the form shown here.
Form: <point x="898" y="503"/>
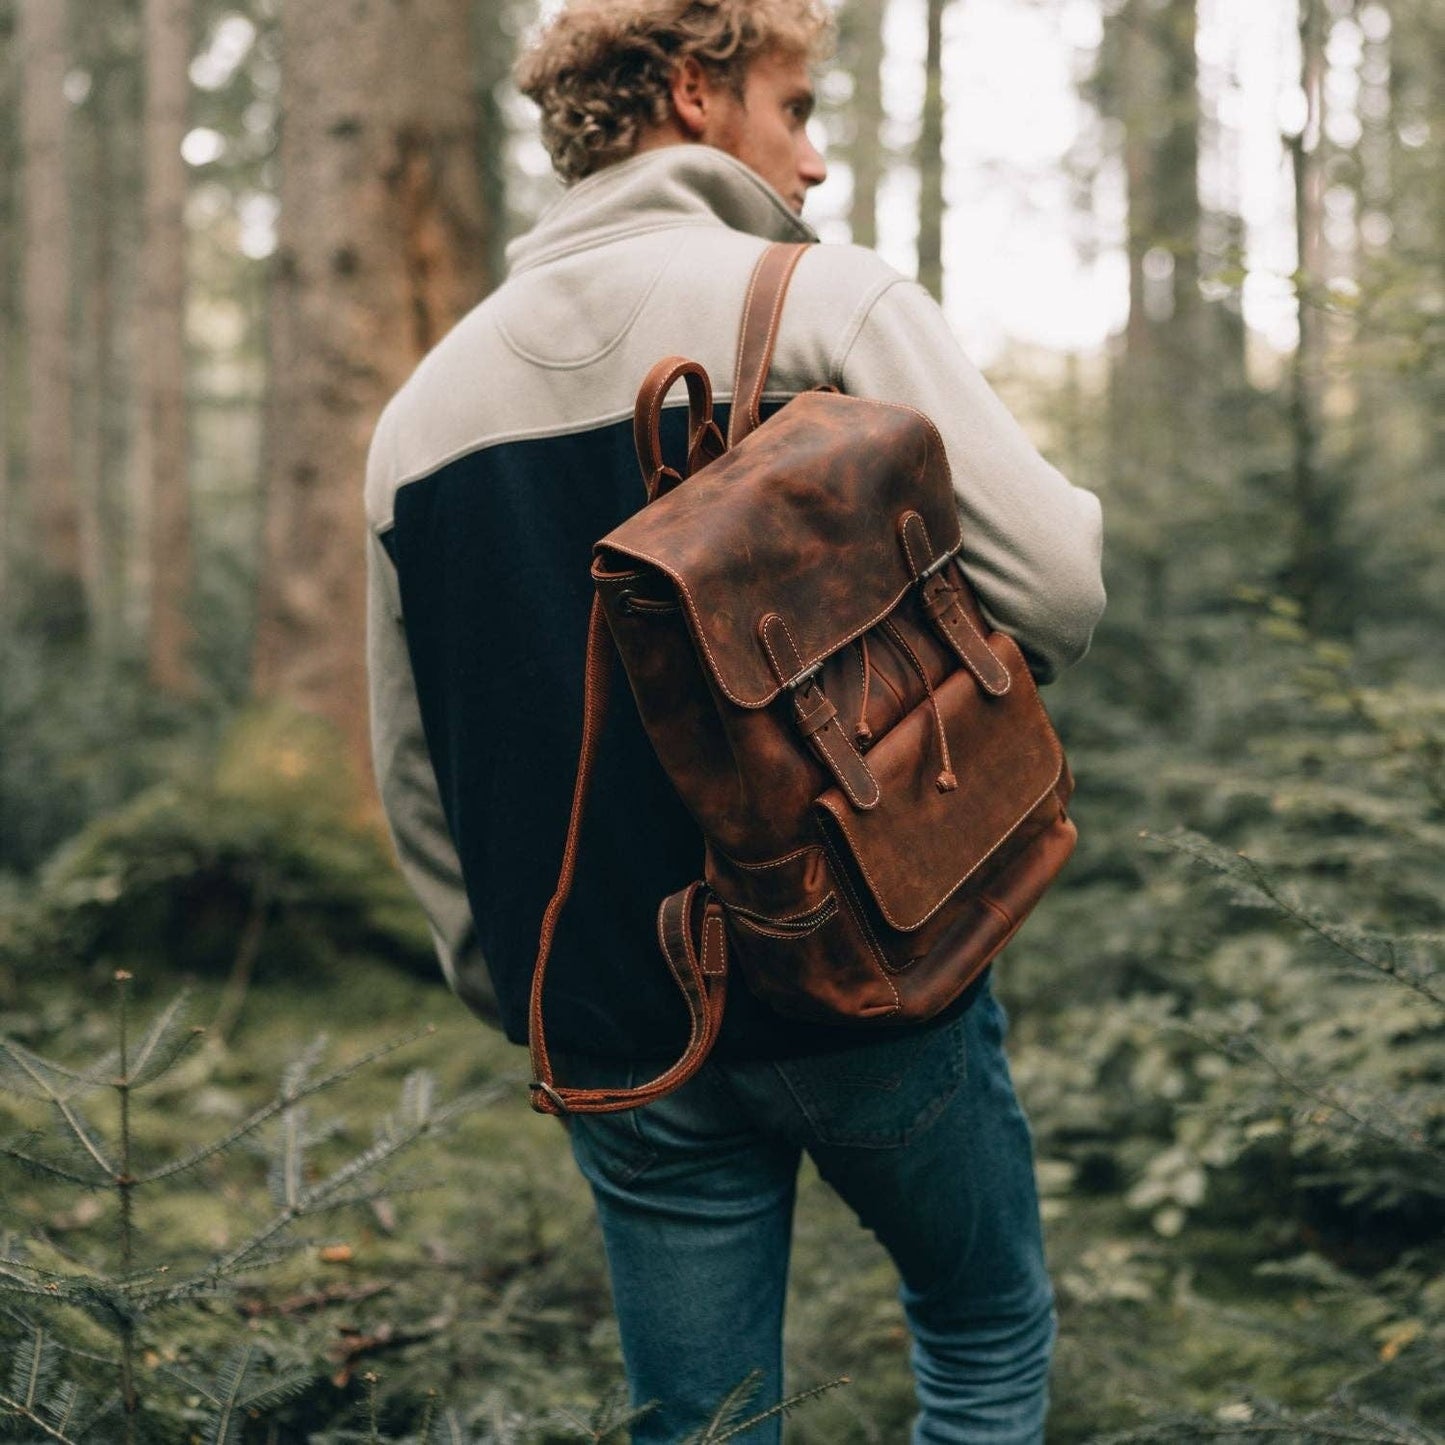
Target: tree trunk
<point x="494" y="46"/>
<point x="104" y="130"/>
<point x="1155" y="95"/>
<point x="381" y="250"/>
<point x="1133" y="95"/>
<point x="930" y="160"/>
<point x="8" y="79"/>
<point x="1177" y="213"/>
<point x="861" y="42"/>
<point x="1314" y="509"/>
<point x="1148" y="82"/>
<point x="1410" y="176"/>
<point x="162" y="345"/>
<point x="50" y="481"/>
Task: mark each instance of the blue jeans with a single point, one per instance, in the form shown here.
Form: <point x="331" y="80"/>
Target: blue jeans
<point x="920" y="1135"/>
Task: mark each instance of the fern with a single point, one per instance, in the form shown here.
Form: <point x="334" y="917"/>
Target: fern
<point x="29" y="1076"/>
<point x="1379" y="1140"/>
<point x="52" y="1169"/>
<point x="444" y="1427"/>
<point x="33" y="1369"/>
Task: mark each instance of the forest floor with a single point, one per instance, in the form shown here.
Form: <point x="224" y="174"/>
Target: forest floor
<point x="479" y="1273"/>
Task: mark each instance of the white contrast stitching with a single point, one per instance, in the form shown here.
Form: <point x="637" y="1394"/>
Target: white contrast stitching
<point x="908" y="544"/>
<point x="880" y="958"/>
<point x="995" y="689"/>
<point x="771" y="862"/>
<point x="840" y="773"/>
<point x="710" y="926"/>
<point x="784" y="674"/>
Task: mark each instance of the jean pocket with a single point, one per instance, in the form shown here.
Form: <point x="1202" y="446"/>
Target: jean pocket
<point x="879" y="1095"/>
<point x="608" y="1148"/>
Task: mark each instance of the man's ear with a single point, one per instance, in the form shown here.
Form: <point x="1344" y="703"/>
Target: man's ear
<point x="692" y="97"/>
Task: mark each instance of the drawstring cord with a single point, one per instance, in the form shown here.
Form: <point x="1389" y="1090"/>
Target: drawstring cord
<point x="946" y="779"/>
<point x="863" y="733"/>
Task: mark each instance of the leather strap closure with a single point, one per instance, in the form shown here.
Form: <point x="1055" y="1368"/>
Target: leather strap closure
<point x="816" y="717"/>
<point x="705" y="442"/>
<point x="943" y="606"/>
<point x="700" y="970"/>
<point x="814" y="714"/>
<point x="761" y="313"/>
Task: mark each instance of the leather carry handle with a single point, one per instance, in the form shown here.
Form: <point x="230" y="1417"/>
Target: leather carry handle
<point x="757" y="339"/>
<point x="700" y="970"/>
<point x="762" y="311"/>
<point x="704" y="440"/>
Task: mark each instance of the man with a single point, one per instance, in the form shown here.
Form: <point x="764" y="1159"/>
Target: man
<point x="680" y="127"/>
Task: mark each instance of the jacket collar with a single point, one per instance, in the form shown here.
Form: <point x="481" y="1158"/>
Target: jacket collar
<point x="675" y="185"/>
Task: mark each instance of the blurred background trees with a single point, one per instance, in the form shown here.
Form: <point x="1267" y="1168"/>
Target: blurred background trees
<point x="1198" y="245"/>
<point x="221" y="254"/>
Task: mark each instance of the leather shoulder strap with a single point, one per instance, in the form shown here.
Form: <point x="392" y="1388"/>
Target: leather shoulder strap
<point x="698" y="968"/>
<point x="761" y="312"/>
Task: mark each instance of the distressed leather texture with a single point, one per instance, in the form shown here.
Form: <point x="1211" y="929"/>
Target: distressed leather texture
<point x="882" y="793"/>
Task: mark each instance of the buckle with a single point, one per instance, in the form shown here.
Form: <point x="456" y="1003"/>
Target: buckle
<point x="804" y="677"/>
<point x="937" y="566"/>
<point x="538" y="1087"/>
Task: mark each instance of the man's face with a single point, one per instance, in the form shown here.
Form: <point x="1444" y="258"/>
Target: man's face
<point x="767" y="128"/>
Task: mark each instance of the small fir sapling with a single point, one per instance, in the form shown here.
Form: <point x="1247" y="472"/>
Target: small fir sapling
<point x="79" y="1330"/>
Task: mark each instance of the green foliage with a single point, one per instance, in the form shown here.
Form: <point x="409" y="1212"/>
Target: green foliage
<point x="606" y="1423"/>
<point x="261" y="850"/>
<point x="1237" y="1089"/>
<point x="1234" y="1089"/>
<point x="80" y="739"/>
<point x="240" y="1390"/>
<point x="1343" y="1092"/>
<point x="90" y="1318"/>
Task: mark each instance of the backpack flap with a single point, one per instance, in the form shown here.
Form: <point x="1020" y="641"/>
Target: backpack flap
<point x="921" y="844"/>
<point x="800" y="520"/>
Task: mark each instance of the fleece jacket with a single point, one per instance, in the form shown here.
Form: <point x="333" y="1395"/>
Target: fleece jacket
<point x="500" y="462"/>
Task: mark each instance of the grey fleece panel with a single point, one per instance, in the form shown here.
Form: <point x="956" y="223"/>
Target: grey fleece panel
<point x="684" y="183"/>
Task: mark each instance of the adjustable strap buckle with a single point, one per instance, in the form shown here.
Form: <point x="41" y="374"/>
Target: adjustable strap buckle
<point x="816" y="717"/>
<point x="537" y="1086"/>
<point x="936" y="566"/>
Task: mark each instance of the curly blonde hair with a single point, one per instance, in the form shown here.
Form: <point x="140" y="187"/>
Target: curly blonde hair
<point x="601" y="70"/>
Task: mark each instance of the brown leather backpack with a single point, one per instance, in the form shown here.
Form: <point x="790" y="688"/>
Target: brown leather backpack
<point x="880" y="789"/>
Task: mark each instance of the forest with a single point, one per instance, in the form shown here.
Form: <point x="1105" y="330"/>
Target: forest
<point x="264" y="1178"/>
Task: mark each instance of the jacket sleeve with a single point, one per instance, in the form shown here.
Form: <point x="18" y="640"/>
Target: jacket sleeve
<point x="1031" y="541"/>
<point x="409" y="795"/>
